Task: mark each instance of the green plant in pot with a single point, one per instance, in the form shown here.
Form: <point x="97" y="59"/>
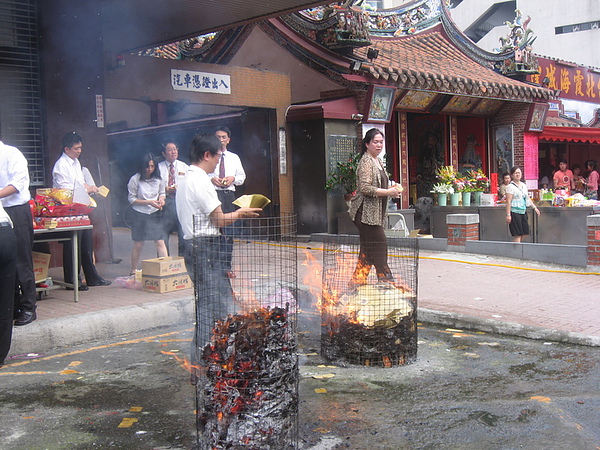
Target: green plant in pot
<point x="344" y="176"/>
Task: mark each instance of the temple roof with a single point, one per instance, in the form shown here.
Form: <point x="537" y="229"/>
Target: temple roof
<point x="420" y="49"/>
<point x="429" y="61"/>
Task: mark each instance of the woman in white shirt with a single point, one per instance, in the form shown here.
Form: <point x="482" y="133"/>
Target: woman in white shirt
<point x="517" y="200"/>
<point x="147" y="197"/>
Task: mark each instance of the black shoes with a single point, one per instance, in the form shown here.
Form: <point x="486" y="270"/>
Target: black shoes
<point x="82" y="287"/>
<point x="102" y="282"/>
<point x="25" y="317"/>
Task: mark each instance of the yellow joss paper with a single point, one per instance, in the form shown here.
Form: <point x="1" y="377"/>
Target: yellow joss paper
<point x="252" y="201"/>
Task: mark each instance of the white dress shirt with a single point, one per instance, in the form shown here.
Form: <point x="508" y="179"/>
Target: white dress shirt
<point x="14" y="172"/>
<point x="233" y="168"/>
<point x="87" y="177"/>
<point x="180" y="167"/>
<point x="139" y="189"/>
<point x="196" y="196"/>
<point x="66" y="172"/>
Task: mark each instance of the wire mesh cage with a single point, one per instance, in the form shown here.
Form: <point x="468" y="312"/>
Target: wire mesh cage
<point x="246" y="335"/>
<point x="369" y="315"/>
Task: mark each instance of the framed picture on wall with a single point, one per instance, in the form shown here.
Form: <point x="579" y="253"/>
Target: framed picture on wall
<point x="380" y="104"/>
<point x="537" y="117"/>
<point x="503" y="148"/>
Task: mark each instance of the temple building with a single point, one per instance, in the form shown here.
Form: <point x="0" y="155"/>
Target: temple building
<point x="439" y="98"/>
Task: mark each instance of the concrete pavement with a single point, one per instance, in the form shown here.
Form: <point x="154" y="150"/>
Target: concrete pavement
<point x="457" y="290"/>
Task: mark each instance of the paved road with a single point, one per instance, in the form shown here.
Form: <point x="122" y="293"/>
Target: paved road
<point x="467" y="390"/>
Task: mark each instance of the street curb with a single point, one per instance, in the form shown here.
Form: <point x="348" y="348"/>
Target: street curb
<point x="43" y="335"/>
<point x="456" y="320"/>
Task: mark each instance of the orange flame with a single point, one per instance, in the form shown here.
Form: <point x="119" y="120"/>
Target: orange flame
<point x="184" y="362"/>
<point x="312" y="276"/>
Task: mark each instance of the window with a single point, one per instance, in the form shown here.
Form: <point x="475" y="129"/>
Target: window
<point x="577" y="27"/>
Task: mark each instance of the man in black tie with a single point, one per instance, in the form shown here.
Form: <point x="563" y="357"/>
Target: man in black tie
<point x="228" y="174"/>
<point x="171" y="169"/>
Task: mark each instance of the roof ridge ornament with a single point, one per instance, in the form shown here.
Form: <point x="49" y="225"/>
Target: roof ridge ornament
<point x="517" y="45"/>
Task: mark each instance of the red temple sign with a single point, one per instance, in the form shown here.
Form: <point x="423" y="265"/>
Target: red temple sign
<point x="575" y="82"/>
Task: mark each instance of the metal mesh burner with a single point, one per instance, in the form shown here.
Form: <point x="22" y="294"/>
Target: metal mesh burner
<point x="246" y="340"/>
<point x="369" y="319"/>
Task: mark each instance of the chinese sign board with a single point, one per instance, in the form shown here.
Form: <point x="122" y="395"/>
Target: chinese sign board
<point x="340" y="149"/>
<point x="189" y="80"/>
<point x="574" y="82"/>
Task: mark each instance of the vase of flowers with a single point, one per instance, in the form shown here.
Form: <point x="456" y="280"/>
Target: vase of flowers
<point x="463" y="186"/>
<point x="442" y="191"/>
<point x="454" y="198"/>
<point x="480" y="182"/>
<point x="444" y="188"/>
<point x="466" y="198"/>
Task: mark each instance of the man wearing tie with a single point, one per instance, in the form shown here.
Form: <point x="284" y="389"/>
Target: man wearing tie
<point x="171" y="169"/>
<point x="66" y="174"/>
<point x="228" y="174"/>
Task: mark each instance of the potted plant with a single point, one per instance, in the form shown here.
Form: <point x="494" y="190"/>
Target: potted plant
<point x="344" y="176"/>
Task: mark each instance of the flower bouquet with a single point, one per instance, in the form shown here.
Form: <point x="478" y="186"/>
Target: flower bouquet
<point x="441" y="188"/>
<point x="463" y="184"/>
<point x="446" y="175"/>
<point x="479" y="180"/>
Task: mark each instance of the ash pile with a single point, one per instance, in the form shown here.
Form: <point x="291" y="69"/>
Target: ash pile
<point x="245" y="350"/>
<point x="369" y="319"/>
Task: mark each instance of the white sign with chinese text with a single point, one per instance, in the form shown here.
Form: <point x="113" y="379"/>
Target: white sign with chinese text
<point x="189" y="80"/>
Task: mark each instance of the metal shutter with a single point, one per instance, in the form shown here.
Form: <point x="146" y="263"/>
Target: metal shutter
<point x="20" y="92"/>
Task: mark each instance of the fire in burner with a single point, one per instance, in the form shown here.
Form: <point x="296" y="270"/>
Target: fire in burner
<point x="247" y="398"/>
<point x="367" y="319"/>
<point x="373" y="325"/>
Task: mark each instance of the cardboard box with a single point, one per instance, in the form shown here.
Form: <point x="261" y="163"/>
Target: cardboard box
<point x="160" y="267"/>
<point x="169" y="283"/>
<point x="41" y="262"/>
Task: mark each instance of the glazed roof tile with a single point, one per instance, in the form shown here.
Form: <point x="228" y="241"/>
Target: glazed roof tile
<point x="428" y="61"/>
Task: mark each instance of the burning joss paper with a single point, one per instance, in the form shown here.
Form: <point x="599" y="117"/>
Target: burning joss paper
<point x="249" y="395"/>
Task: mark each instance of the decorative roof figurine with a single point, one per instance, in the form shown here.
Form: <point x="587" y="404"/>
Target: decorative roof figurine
<point x="517" y="45"/>
<point x="351" y="29"/>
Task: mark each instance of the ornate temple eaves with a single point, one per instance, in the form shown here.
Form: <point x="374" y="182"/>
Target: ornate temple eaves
<point x="405" y="78"/>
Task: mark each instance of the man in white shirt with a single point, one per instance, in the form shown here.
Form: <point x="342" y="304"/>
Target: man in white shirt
<point x="171" y="170"/>
<point x="66" y="174"/>
<point x="201" y="217"/>
<point x="228" y="174"/>
<point x="8" y="256"/>
<point x="15" y="196"/>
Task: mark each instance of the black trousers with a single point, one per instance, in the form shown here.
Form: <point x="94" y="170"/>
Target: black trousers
<point x="86" y="259"/>
<point x="373" y="251"/>
<point x="25" y="295"/>
<point x="171" y="224"/>
<point x="227" y="197"/>
<point x="8" y="256"/>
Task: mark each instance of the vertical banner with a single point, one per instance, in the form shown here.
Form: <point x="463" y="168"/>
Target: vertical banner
<point x="282" y="151"/>
<point x="454" y="142"/>
<point x="403" y="143"/>
<point x="99" y="112"/>
<point x="531" y="169"/>
<point x="494" y="183"/>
